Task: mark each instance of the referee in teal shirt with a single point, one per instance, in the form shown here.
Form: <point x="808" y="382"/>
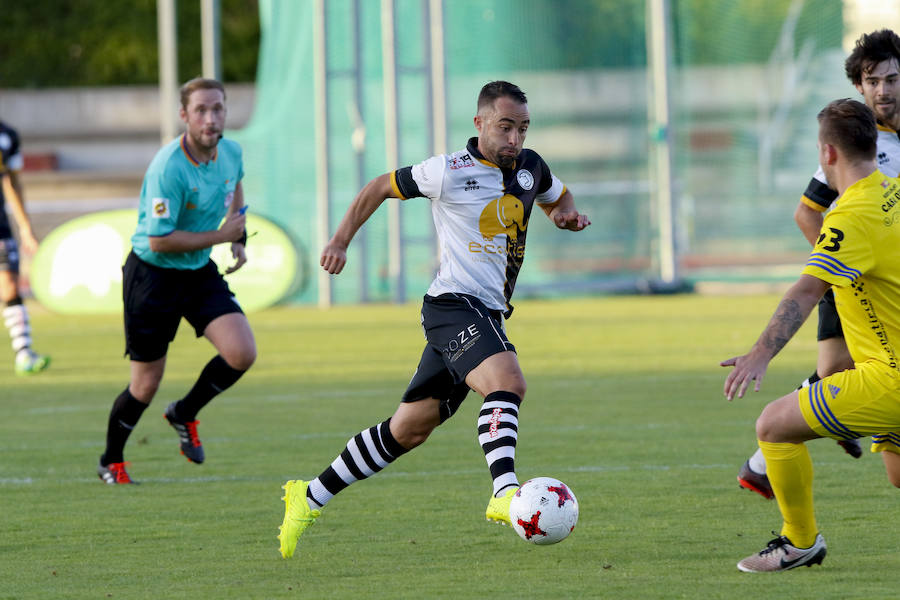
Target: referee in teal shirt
<point x="192" y="184"/>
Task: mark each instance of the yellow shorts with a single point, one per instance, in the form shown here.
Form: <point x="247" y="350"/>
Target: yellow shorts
<point x="856" y="403"/>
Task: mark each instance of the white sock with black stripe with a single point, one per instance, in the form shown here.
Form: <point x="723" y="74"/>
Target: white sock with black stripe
<point x="498" y="431"/>
<point x="15" y="317"/>
<point x="366" y="453"/>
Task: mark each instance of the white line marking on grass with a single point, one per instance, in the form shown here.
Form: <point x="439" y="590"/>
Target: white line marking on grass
<point x="11" y="481"/>
<point x="49" y="410"/>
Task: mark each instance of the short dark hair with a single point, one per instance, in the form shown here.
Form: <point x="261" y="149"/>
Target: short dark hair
<point x="199" y="83"/>
<point x="500" y="89"/>
<point x="849" y="125"/>
<point x="871" y="49"/>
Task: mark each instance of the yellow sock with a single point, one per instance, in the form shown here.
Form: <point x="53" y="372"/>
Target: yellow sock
<point x="790" y="472"/>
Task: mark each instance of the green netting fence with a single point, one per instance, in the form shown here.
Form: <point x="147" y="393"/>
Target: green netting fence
<point x="747" y="78"/>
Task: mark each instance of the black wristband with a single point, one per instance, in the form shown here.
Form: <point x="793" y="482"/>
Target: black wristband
<point x="243" y="239"/>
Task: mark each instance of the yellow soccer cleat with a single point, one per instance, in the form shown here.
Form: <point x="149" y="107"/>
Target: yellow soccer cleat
<point x="30" y="363"/>
<point x="498" y="508"/>
<point x="297" y="516"/>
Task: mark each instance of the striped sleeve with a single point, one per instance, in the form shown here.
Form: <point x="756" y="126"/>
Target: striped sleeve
<point x="550" y="188"/>
<point x="818" y="195"/>
<point x="422" y="180"/>
<point x="402" y="177"/>
<point x="843" y="252"/>
<point x="832" y="266"/>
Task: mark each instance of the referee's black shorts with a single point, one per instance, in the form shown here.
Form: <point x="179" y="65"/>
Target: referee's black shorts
<point x="155" y="299"/>
<point x="829" y="321"/>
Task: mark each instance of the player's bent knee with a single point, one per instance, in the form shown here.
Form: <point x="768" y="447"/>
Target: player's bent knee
<point x="411" y="439"/>
<point x="515" y="385"/>
<point x="144" y="391"/>
<point x="766" y="426"/>
<point x="240" y="356"/>
<point x="413" y="422"/>
<point x="241" y="361"/>
<point x="410" y="435"/>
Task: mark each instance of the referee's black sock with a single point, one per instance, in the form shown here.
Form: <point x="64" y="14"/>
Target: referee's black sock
<point x="216" y="377"/>
<point x="126" y="412"/>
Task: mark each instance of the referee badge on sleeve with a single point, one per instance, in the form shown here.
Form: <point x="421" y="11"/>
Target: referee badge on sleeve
<point x="160" y="208"/>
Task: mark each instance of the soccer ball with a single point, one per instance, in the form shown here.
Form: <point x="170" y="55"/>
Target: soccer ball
<point x="543" y="511"/>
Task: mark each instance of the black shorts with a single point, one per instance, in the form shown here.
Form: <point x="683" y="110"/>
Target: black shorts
<point x="9" y="255"/>
<point x="156" y="299"/>
<point x="461" y="333"/>
<point x="829" y="321"/>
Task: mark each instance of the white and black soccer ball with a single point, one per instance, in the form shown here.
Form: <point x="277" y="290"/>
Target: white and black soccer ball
<point x="543" y="511"/>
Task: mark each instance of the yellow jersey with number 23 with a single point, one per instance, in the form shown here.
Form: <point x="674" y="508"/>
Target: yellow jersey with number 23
<point x="857" y="252"/>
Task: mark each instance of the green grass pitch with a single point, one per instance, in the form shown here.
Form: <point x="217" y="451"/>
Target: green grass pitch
<point x="624" y="404"/>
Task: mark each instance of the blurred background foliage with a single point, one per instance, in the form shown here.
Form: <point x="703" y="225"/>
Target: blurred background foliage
<point x="60" y="43"/>
<point x="63" y="43"/>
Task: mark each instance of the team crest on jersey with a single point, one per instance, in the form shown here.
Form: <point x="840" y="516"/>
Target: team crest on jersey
<point x="461" y="162"/>
<point x="503" y="215"/>
<point x="525" y="179"/>
<point x="160" y="208"/>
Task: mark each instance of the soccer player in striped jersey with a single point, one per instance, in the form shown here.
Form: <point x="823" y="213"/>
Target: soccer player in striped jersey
<point x="15" y="313"/>
<point x="856" y="255"/>
<point x="874" y="69"/>
<point x="481" y="199"/>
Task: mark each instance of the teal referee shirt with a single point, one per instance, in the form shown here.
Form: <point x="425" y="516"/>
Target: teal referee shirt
<point x="180" y="193"/>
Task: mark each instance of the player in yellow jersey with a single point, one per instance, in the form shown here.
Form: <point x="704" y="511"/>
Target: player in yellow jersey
<point x="874" y="70"/>
<point x="856" y="255"/>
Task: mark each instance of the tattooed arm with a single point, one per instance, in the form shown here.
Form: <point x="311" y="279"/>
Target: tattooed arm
<point x="792" y="311"/>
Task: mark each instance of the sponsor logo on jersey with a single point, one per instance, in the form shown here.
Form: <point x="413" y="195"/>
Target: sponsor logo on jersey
<point x="503" y="215"/>
<point x="472" y="185"/>
<point x="834" y="390"/>
<point x="461" y="162"/>
<point x="525" y="179"/>
<point x="883" y="158"/>
<point x="160" y="208"/>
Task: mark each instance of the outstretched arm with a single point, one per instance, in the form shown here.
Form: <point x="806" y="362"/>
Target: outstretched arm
<point x="334" y="255"/>
<point x="792" y="311"/>
<point x="564" y="214"/>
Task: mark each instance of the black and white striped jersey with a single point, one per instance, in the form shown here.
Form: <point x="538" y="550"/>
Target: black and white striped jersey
<point x="480" y="213"/>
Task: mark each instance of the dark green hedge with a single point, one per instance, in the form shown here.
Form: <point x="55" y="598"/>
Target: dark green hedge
<point x="59" y="43"/>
